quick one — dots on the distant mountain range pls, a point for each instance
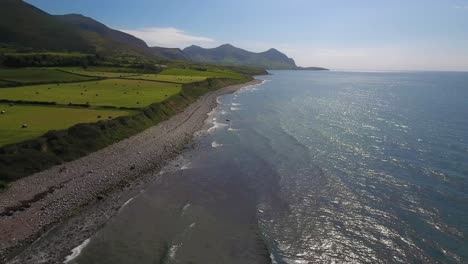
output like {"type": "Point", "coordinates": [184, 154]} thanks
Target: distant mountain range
{"type": "Point", "coordinates": [229, 55]}
{"type": "Point", "coordinates": [26, 27]}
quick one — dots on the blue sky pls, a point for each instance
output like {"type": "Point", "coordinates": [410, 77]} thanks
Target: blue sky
{"type": "Point", "coordinates": [354, 34]}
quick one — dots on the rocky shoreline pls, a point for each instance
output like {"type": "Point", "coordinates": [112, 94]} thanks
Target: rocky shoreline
{"type": "Point", "coordinates": [45, 215]}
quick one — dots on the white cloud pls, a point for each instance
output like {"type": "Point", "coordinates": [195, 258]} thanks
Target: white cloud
{"type": "Point", "coordinates": [169, 37]}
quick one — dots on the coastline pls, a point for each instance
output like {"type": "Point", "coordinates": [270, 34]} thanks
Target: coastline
{"type": "Point", "coordinates": [89, 191]}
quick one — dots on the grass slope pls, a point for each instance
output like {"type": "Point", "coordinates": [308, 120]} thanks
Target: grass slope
{"type": "Point", "coordinates": [41, 119]}
{"type": "Point", "coordinates": [110, 92]}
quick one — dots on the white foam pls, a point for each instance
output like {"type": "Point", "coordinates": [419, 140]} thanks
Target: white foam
{"type": "Point", "coordinates": [127, 202]}
{"type": "Point", "coordinates": [235, 108]}
{"type": "Point", "coordinates": [215, 126]}
{"type": "Point", "coordinates": [76, 251]}
{"type": "Point", "coordinates": [173, 250]}
{"type": "Point", "coordinates": [252, 87]}
{"type": "Point", "coordinates": [235, 104]}
{"type": "Point", "coordinates": [214, 144]}
{"type": "Point", "coordinates": [233, 129]}
{"type": "Point", "coordinates": [186, 166]}
{"type": "Point", "coordinates": [185, 208]}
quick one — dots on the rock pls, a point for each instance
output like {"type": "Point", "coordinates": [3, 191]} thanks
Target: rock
{"type": "Point", "coordinates": [227, 120]}
{"type": "Point", "coordinates": [132, 167]}
{"type": "Point", "coordinates": [24, 126]}
{"type": "Point", "coordinates": [110, 117]}
{"type": "Point", "coordinates": [98, 116]}
{"type": "Point", "coordinates": [2, 112]}
{"type": "Point", "coordinates": [100, 197]}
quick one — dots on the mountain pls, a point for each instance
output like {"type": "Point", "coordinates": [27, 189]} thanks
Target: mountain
{"type": "Point", "coordinates": [25, 26]}
{"type": "Point", "coordinates": [229, 55]}
{"type": "Point", "coordinates": [170, 53]}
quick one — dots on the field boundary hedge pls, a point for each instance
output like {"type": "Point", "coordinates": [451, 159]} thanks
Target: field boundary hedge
{"type": "Point", "coordinates": [57, 147]}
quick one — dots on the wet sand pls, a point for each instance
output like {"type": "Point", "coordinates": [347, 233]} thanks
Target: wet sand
{"type": "Point", "coordinates": [59, 208]}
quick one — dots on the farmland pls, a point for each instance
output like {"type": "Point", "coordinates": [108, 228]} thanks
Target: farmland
{"type": "Point", "coordinates": [93, 73]}
{"type": "Point", "coordinates": [208, 74]}
{"type": "Point", "coordinates": [31, 76]}
{"type": "Point", "coordinates": [77, 95]}
{"type": "Point", "coordinates": [110, 92]}
{"type": "Point", "coordinates": [168, 78]}
{"type": "Point", "coordinates": [40, 119]}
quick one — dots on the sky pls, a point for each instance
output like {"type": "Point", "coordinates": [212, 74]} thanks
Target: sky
{"type": "Point", "coordinates": [348, 34]}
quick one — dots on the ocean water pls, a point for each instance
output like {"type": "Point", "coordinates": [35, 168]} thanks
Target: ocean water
{"type": "Point", "coordinates": [311, 167]}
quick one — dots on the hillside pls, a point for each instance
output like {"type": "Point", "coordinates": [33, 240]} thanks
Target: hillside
{"type": "Point", "coordinates": [23, 25]}
{"type": "Point", "coordinates": [229, 55]}
{"type": "Point", "coordinates": [103, 38]}
{"type": "Point", "coordinates": [169, 53]}
{"type": "Point", "coordinates": [40, 31]}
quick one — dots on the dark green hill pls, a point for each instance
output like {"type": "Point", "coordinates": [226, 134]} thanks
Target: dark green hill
{"type": "Point", "coordinates": [170, 53]}
{"type": "Point", "coordinates": [229, 55]}
{"type": "Point", "coordinates": [104, 39]}
{"type": "Point", "coordinates": [23, 25]}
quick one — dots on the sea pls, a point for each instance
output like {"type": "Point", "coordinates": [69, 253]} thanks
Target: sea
{"type": "Point", "coordinates": [310, 167]}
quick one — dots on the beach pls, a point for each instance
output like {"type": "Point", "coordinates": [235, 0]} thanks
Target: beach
{"type": "Point", "coordinates": [44, 216]}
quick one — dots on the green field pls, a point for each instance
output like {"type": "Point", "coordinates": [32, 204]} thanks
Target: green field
{"type": "Point", "coordinates": [100, 73]}
{"type": "Point", "coordinates": [4, 84]}
{"type": "Point", "coordinates": [41, 119]}
{"type": "Point", "coordinates": [212, 74]}
{"type": "Point", "coordinates": [110, 92]}
{"type": "Point", "coordinates": [62, 54]}
{"type": "Point", "coordinates": [28, 76]}
{"type": "Point", "coordinates": [169, 78]}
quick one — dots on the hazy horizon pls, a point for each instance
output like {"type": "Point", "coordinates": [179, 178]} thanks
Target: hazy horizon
{"type": "Point", "coordinates": [363, 35]}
